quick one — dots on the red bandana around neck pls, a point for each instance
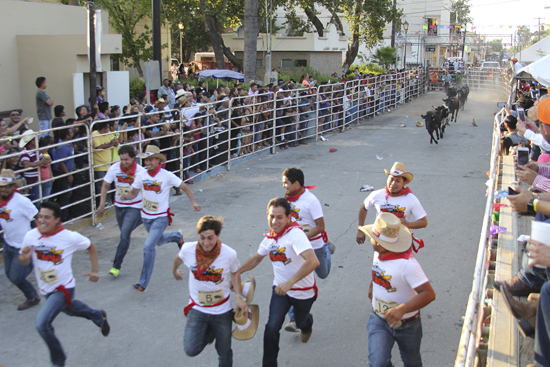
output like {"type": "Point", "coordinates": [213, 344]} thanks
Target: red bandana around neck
{"type": "Point", "coordinates": [3, 203]}
{"type": "Point", "coordinates": [395, 255]}
{"type": "Point", "coordinates": [284, 231]}
{"type": "Point", "coordinates": [132, 170]}
{"type": "Point", "coordinates": [205, 259]}
{"type": "Point", "coordinates": [154, 172]}
{"type": "Point", "coordinates": [56, 230]}
{"type": "Point", "coordinates": [296, 195]}
{"type": "Point", "coordinates": [405, 191]}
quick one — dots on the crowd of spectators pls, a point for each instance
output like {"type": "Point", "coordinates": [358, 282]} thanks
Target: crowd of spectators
{"type": "Point", "coordinates": [197, 128]}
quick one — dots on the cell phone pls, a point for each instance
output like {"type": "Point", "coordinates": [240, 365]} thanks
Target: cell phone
{"type": "Point", "coordinates": [523, 156]}
{"type": "Point", "coordinates": [511, 191]}
{"type": "Point", "coordinates": [501, 104]}
{"type": "Point", "coordinates": [521, 113]}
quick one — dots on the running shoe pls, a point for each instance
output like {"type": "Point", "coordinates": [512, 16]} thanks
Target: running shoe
{"type": "Point", "coordinates": [114, 272]}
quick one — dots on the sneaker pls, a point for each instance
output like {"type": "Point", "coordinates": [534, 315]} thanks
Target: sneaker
{"type": "Point", "coordinates": [114, 272]}
{"type": "Point", "coordinates": [28, 304]}
{"type": "Point", "coordinates": [138, 287]}
{"type": "Point", "coordinates": [291, 326]}
{"type": "Point", "coordinates": [105, 328]}
{"type": "Point", "coordinates": [182, 240]}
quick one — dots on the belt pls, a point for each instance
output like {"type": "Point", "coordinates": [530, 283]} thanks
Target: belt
{"type": "Point", "coordinates": [410, 319]}
{"type": "Point", "coordinates": [314, 287]}
{"type": "Point", "coordinates": [322, 235]}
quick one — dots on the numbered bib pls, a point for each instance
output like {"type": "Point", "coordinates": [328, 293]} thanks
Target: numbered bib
{"type": "Point", "coordinates": [381, 305]}
{"type": "Point", "coordinates": [210, 298]}
{"type": "Point", "coordinates": [306, 227]}
{"type": "Point", "coordinates": [123, 190]}
{"type": "Point", "coordinates": [48, 276]}
{"type": "Point", "coordinates": [151, 206]}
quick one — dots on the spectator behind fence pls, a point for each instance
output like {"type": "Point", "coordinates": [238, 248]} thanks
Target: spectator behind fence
{"type": "Point", "coordinates": [103, 110]}
{"type": "Point", "coordinates": [64, 153]}
{"type": "Point", "coordinates": [103, 145]}
{"type": "Point", "coordinates": [15, 118]}
{"type": "Point", "coordinates": [81, 147]}
{"type": "Point", "coordinates": [43, 105]}
{"type": "Point", "coordinates": [59, 112]}
{"type": "Point", "coordinates": [30, 159]}
{"type": "Point", "coordinates": [46, 170]}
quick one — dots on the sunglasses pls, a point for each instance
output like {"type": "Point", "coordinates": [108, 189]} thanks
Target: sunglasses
{"type": "Point", "coordinates": [15, 114]}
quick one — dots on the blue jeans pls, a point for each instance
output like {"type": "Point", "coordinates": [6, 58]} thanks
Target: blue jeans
{"type": "Point", "coordinates": [199, 329]}
{"type": "Point", "coordinates": [44, 125]}
{"type": "Point", "coordinates": [56, 303]}
{"type": "Point", "coordinates": [34, 194]}
{"type": "Point", "coordinates": [278, 308]}
{"type": "Point", "coordinates": [64, 198]}
{"type": "Point", "coordinates": [542, 331]}
{"type": "Point", "coordinates": [128, 219]}
{"type": "Point", "coordinates": [46, 190]}
{"type": "Point", "coordinates": [382, 337]}
{"type": "Point", "coordinates": [17, 273]}
{"type": "Point", "coordinates": [532, 276]}
{"type": "Point", "coordinates": [156, 237]}
{"type": "Point", "coordinates": [98, 178]}
{"type": "Point", "coordinates": [322, 271]}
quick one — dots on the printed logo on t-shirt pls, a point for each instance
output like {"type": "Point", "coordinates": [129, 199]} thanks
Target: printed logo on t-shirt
{"type": "Point", "coordinates": [295, 213]}
{"type": "Point", "coordinates": [209, 275]}
{"type": "Point", "coordinates": [399, 211]}
{"type": "Point", "coordinates": [150, 185]}
{"type": "Point", "coordinates": [47, 253]}
{"type": "Point", "coordinates": [379, 277]}
{"type": "Point", "coordinates": [5, 214]}
{"type": "Point", "coordinates": [124, 178]}
{"type": "Point", "coordinates": [278, 254]}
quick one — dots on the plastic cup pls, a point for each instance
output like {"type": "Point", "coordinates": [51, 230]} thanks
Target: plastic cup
{"type": "Point", "coordinates": [540, 231]}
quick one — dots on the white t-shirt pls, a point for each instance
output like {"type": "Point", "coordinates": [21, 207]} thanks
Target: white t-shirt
{"type": "Point", "coordinates": [123, 184]}
{"type": "Point", "coordinates": [305, 211]}
{"type": "Point", "coordinates": [15, 219]}
{"type": "Point", "coordinates": [286, 259]}
{"type": "Point", "coordinates": [395, 281]}
{"type": "Point", "coordinates": [52, 257]}
{"type": "Point", "coordinates": [402, 206]}
{"type": "Point", "coordinates": [215, 279]}
{"type": "Point", "coordinates": [155, 192]}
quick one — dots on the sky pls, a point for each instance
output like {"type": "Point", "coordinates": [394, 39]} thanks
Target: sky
{"type": "Point", "coordinates": [490, 15]}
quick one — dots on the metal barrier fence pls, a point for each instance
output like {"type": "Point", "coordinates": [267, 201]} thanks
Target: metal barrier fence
{"type": "Point", "coordinates": [471, 330]}
{"type": "Point", "coordinates": [495, 79]}
{"type": "Point", "coordinates": [201, 138]}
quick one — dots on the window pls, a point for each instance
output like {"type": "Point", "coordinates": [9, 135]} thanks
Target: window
{"type": "Point", "coordinates": [258, 63]}
{"type": "Point", "coordinates": [432, 26]}
{"type": "Point", "coordinates": [287, 63]}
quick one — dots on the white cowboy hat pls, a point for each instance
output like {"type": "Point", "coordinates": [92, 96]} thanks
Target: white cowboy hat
{"type": "Point", "coordinates": [389, 233]}
{"type": "Point", "coordinates": [398, 170]}
{"type": "Point", "coordinates": [26, 137]}
{"type": "Point", "coordinates": [7, 177]}
{"type": "Point", "coordinates": [248, 287]}
{"type": "Point", "coordinates": [153, 151]}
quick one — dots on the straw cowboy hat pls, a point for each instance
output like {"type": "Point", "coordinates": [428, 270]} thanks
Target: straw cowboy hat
{"type": "Point", "coordinates": [26, 137]}
{"type": "Point", "coordinates": [7, 177]}
{"type": "Point", "coordinates": [389, 233]}
{"type": "Point", "coordinates": [246, 324]}
{"type": "Point", "coordinates": [419, 123]}
{"type": "Point", "coordinates": [153, 151]}
{"type": "Point", "coordinates": [183, 97]}
{"type": "Point", "coordinates": [398, 170]}
{"type": "Point", "coordinates": [248, 287]}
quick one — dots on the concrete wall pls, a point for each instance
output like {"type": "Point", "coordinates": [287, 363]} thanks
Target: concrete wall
{"type": "Point", "coordinates": [45, 39]}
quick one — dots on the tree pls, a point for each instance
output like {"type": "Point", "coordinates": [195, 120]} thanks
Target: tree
{"type": "Point", "coordinates": [460, 12]}
{"type": "Point", "coordinates": [124, 17]}
{"type": "Point", "coordinates": [251, 13]}
{"type": "Point", "coordinates": [496, 45]}
{"type": "Point", "coordinates": [367, 20]}
{"type": "Point", "coordinates": [523, 37]}
{"type": "Point", "coordinates": [385, 57]}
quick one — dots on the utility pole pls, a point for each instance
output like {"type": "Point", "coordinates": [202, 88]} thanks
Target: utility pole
{"type": "Point", "coordinates": [157, 55]}
{"type": "Point", "coordinates": [538, 38]}
{"type": "Point", "coordinates": [393, 27]}
{"type": "Point", "coordinates": [93, 67]}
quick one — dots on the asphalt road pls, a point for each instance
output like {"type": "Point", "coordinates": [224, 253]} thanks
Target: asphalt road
{"type": "Point", "coordinates": [147, 328]}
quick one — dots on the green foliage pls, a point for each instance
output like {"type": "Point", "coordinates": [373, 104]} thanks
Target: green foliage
{"type": "Point", "coordinates": [369, 68]}
{"type": "Point", "coordinates": [385, 57]}
{"type": "Point", "coordinates": [496, 45]}
{"type": "Point", "coordinates": [298, 72]}
{"type": "Point", "coordinates": [295, 25]}
{"type": "Point", "coordinates": [137, 85]}
{"type": "Point", "coordinates": [460, 12]}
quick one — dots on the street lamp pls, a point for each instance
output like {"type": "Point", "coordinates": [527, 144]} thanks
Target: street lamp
{"type": "Point", "coordinates": [180, 26]}
{"type": "Point", "coordinates": [406, 29]}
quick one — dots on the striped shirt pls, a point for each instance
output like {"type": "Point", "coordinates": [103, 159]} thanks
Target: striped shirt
{"type": "Point", "coordinates": [32, 175]}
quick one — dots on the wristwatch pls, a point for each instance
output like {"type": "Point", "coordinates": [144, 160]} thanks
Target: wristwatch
{"type": "Point", "coordinates": [532, 206]}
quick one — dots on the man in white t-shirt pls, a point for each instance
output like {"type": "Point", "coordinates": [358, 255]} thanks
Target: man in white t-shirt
{"type": "Point", "coordinates": [306, 209]}
{"type": "Point", "coordinates": [154, 184]}
{"type": "Point", "coordinates": [128, 213]}
{"type": "Point", "coordinates": [16, 214]}
{"type": "Point", "coordinates": [398, 290]}
{"type": "Point", "coordinates": [50, 247]}
{"type": "Point", "coordinates": [293, 261]}
{"type": "Point", "coordinates": [395, 198]}
{"type": "Point", "coordinates": [212, 268]}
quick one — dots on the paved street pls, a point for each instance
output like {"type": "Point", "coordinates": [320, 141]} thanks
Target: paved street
{"type": "Point", "coordinates": [147, 328]}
